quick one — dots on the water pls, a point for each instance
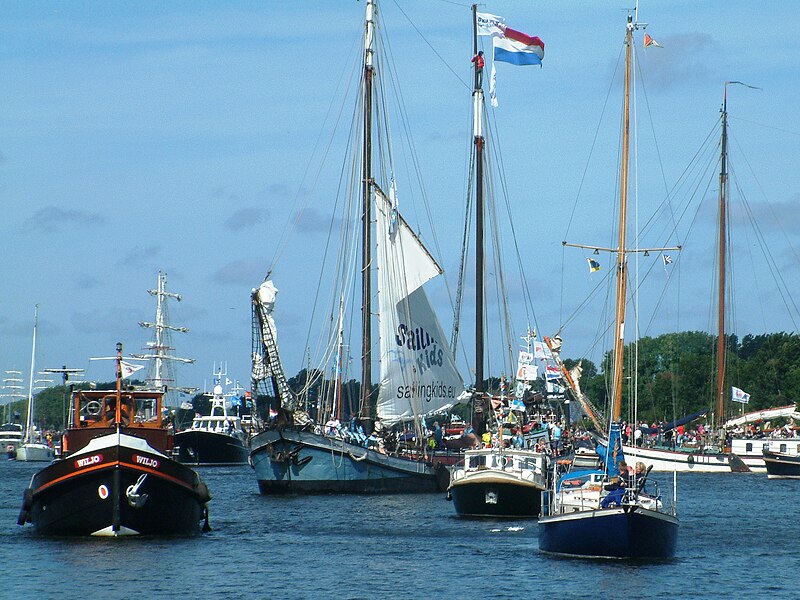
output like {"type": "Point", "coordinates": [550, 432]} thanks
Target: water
{"type": "Point", "coordinates": [738, 536]}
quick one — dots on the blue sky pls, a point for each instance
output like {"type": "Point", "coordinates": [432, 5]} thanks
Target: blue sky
{"type": "Point", "coordinates": [137, 137]}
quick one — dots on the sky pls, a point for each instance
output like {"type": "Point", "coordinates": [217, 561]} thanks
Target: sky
{"type": "Point", "coordinates": [178, 136]}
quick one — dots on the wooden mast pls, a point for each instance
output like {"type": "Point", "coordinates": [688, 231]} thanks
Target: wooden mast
{"type": "Point", "coordinates": [477, 127]}
{"type": "Point", "coordinates": [723, 183]}
{"type": "Point", "coordinates": [367, 412]}
{"type": "Point", "coordinates": [619, 341]}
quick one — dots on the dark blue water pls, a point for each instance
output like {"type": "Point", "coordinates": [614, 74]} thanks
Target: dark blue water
{"type": "Point", "coordinates": [739, 536]}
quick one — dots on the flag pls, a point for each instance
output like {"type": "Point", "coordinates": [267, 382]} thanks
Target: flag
{"type": "Point", "coordinates": [518, 48]}
{"type": "Point", "coordinates": [228, 381]}
{"type": "Point", "coordinates": [593, 265]}
{"type": "Point", "coordinates": [493, 87]}
{"type": "Point", "coordinates": [517, 405]}
{"type": "Point", "coordinates": [738, 395]}
{"type": "Point", "coordinates": [525, 358]}
{"type": "Point", "coordinates": [527, 372]}
{"type": "Point", "coordinates": [128, 369]}
{"type": "Point", "coordinates": [490, 24]}
{"type": "Point", "coordinates": [648, 41]}
{"type": "Point", "coordinates": [542, 351]}
{"type": "Point", "coordinates": [552, 373]}
{"type": "Point", "coordinates": [667, 259]}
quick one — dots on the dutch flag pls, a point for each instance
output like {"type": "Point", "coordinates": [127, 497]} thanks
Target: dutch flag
{"type": "Point", "coordinates": [518, 48]}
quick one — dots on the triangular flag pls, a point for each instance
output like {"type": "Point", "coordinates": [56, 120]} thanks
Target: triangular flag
{"type": "Point", "coordinates": [648, 41]}
{"type": "Point", "coordinates": [128, 369]}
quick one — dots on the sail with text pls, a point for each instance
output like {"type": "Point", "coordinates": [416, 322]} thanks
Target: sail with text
{"type": "Point", "coordinates": [418, 374]}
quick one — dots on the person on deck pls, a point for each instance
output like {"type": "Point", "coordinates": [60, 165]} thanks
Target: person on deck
{"type": "Point", "coordinates": [616, 494]}
{"type": "Point", "coordinates": [640, 476]}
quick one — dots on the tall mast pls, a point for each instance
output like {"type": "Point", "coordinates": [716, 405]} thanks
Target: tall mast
{"type": "Point", "coordinates": [477, 130]}
{"type": "Point", "coordinates": [29, 425]}
{"type": "Point", "coordinates": [367, 412]}
{"type": "Point", "coordinates": [723, 184]}
{"type": "Point", "coordinates": [162, 373]}
{"type": "Point", "coordinates": [619, 341]}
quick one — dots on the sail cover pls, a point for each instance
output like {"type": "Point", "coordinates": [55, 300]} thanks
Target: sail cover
{"type": "Point", "coordinates": [267, 362]}
{"type": "Point", "coordinates": [418, 371]}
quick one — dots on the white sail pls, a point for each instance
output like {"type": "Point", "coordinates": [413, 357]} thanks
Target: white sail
{"type": "Point", "coordinates": [418, 371]}
{"type": "Point", "coordinates": [760, 415]}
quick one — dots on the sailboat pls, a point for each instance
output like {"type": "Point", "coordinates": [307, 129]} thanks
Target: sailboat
{"type": "Point", "coordinates": [33, 449]}
{"type": "Point", "coordinates": [495, 481]}
{"type": "Point", "coordinates": [418, 376]}
{"type": "Point", "coordinates": [576, 519]}
{"type": "Point", "coordinates": [728, 453]}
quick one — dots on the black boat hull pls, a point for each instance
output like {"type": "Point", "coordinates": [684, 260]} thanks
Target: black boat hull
{"type": "Point", "coordinates": [782, 466]}
{"type": "Point", "coordinates": [496, 499]}
{"type": "Point", "coordinates": [96, 493]}
{"type": "Point", "coordinates": [209, 448]}
{"type": "Point", "coordinates": [626, 532]}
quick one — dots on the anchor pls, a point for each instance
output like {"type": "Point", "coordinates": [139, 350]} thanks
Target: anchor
{"type": "Point", "coordinates": [136, 500]}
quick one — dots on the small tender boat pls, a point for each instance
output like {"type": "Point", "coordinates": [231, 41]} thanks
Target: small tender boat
{"type": "Point", "coordinates": [116, 477]}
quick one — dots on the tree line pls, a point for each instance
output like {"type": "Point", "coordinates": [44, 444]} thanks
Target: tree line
{"type": "Point", "coordinates": [675, 375]}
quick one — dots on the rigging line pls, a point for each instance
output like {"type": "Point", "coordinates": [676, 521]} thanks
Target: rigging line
{"type": "Point", "coordinates": [775, 217]}
{"type": "Point", "coordinates": [530, 312]}
{"type": "Point", "coordinates": [414, 155]}
{"type": "Point", "coordinates": [500, 289]}
{"type": "Point", "coordinates": [463, 260]}
{"type": "Point", "coordinates": [789, 131]}
{"type": "Point", "coordinates": [684, 178]}
{"type": "Point", "coordinates": [783, 288]}
{"type": "Point", "coordinates": [655, 139]}
{"type": "Point", "coordinates": [583, 179]}
{"type": "Point", "coordinates": [424, 39]}
{"type": "Point", "coordinates": [289, 230]}
{"type": "Point", "coordinates": [343, 246]}
{"type": "Point", "coordinates": [592, 147]}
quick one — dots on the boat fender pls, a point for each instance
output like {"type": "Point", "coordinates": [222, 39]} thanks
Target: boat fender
{"type": "Point", "coordinates": [201, 489]}
{"type": "Point", "coordinates": [443, 478]}
{"type": "Point", "coordinates": [690, 459]}
{"type": "Point", "coordinates": [27, 503]}
{"type": "Point", "coordinates": [206, 526]}
{"type": "Point", "coordinates": [358, 458]}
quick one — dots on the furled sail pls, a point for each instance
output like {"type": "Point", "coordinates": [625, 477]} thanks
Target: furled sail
{"type": "Point", "coordinates": [267, 363]}
{"type": "Point", "coordinates": [789, 412]}
{"type": "Point", "coordinates": [418, 371]}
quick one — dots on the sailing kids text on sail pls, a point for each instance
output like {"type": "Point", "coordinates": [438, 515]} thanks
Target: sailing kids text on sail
{"type": "Point", "coordinates": [426, 353]}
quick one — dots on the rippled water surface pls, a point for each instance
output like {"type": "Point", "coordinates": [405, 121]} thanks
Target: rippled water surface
{"type": "Point", "coordinates": [738, 538]}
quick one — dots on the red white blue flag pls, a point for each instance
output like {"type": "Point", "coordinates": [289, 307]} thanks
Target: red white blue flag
{"type": "Point", "coordinates": [518, 48]}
